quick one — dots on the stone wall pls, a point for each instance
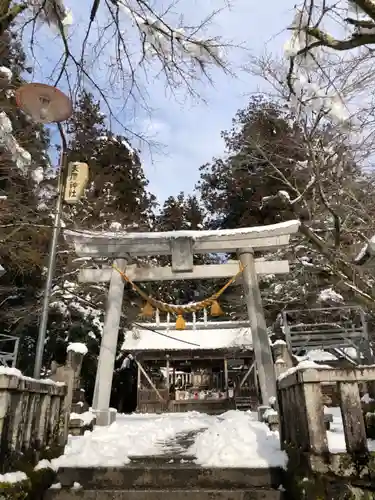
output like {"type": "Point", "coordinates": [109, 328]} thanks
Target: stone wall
{"type": "Point", "coordinates": [32, 418]}
{"type": "Point", "coordinates": [76, 420]}
{"type": "Point", "coordinates": [315, 472]}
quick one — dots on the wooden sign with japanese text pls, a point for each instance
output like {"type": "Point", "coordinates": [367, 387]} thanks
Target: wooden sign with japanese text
{"type": "Point", "coordinates": [76, 181]}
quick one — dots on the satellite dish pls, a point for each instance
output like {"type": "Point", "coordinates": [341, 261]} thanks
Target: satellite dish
{"type": "Point", "coordinates": [44, 103]}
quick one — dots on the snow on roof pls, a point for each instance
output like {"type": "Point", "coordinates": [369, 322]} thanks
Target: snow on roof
{"type": "Point", "coordinates": [147, 340]}
{"type": "Point", "coordinates": [317, 355]}
{"type": "Point", "coordinates": [260, 231]}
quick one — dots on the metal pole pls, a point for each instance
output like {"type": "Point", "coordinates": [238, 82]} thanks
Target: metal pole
{"type": "Point", "coordinates": [52, 257]}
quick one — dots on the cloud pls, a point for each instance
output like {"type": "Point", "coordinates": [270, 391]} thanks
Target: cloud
{"type": "Point", "coordinates": [192, 130]}
{"type": "Point", "coordinates": [187, 130]}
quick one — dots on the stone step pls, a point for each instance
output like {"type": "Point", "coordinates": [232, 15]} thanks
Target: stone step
{"type": "Point", "coordinates": [162, 459]}
{"type": "Point", "coordinates": [169, 476]}
{"type": "Point", "coordinates": [253, 494]}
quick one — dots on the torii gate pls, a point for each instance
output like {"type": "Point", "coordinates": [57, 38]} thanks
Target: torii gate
{"type": "Point", "coordinates": [123, 247]}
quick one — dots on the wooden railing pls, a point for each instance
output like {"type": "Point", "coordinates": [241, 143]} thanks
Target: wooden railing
{"type": "Point", "coordinates": [31, 419]}
{"type": "Point", "coordinates": [301, 408]}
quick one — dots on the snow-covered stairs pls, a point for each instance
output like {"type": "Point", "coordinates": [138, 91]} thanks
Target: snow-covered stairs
{"type": "Point", "coordinates": [163, 479]}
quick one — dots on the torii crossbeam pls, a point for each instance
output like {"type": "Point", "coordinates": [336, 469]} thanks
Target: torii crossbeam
{"type": "Point", "coordinates": [123, 247]}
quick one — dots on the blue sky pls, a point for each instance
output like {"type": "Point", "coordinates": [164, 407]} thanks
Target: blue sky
{"type": "Point", "coordinates": [188, 130]}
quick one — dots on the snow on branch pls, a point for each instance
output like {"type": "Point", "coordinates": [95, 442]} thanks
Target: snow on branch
{"type": "Point", "coordinates": [162, 41]}
{"type": "Point", "coordinates": [21, 157]}
{"type": "Point", "coordinates": [127, 38]}
{"type": "Point", "coordinates": [52, 12]}
{"type": "Point", "coordinates": [311, 79]}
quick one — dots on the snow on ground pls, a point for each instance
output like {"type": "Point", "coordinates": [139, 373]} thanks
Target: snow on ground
{"type": "Point", "coordinates": [134, 435]}
{"type": "Point", "coordinates": [237, 439]}
{"type": "Point", "coordinates": [233, 439]}
{"type": "Point", "coordinates": [335, 436]}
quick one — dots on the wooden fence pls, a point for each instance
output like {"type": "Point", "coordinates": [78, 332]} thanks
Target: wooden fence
{"type": "Point", "coordinates": [148, 401]}
{"type": "Point", "coordinates": [301, 408]}
{"type": "Point", "coordinates": [32, 418]}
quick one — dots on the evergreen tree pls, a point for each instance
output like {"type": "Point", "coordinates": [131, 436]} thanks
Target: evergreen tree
{"type": "Point", "coordinates": [184, 213]}
{"type": "Point", "coordinates": [24, 226]}
{"type": "Point", "coordinates": [181, 212]}
{"type": "Point", "coordinates": [115, 199]}
{"type": "Point", "coordinates": [116, 196]}
{"type": "Point", "coordinates": [270, 160]}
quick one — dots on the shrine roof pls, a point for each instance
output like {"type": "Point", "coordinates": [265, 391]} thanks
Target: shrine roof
{"type": "Point", "coordinates": [208, 338]}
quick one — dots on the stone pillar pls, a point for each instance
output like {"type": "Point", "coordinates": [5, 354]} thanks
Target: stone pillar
{"type": "Point", "coordinates": [281, 356]}
{"type": "Point", "coordinates": [261, 345]}
{"type": "Point", "coordinates": [106, 363]}
{"type": "Point", "coordinates": [70, 375]}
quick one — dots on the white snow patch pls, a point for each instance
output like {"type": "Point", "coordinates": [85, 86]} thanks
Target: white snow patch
{"type": "Point", "coordinates": [38, 175]}
{"type": "Point", "coordinates": [143, 340]}
{"type": "Point", "coordinates": [44, 464]}
{"type": "Point", "coordinates": [317, 355]}
{"type": "Point", "coordinates": [367, 399]}
{"type": "Point", "coordinates": [14, 372]}
{"type": "Point", "coordinates": [116, 226]}
{"type": "Point", "coordinates": [6, 74]}
{"type": "Point", "coordinates": [351, 352]}
{"type": "Point", "coordinates": [329, 295]}
{"type": "Point", "coordinates": [87, 417]}
{"type": "Point", "coordinates": [336, 437]}
{"type": "Point", "coordinates": [238, 439]}
{"type": "Point", "coordinates": [6, 370]}
{"type": "Point", "coordinates": [279, 342]}
{"type": "Point", "coordinates": [284, 195]}
{"type": "Point", "coordinates": [303, 365]}
{"type": "Point", "coordinates": [261, 231]}
{"type": "Point", "coordinates": [56, 486]}
{"type": "Point", "coordinates": [269, 412]}
{"type": "Point", "coordinates": [77, 347]}
{"type": "Point", "coordinates": [230, 440]}
{"type": "Point", "coordinates": [13, 477]}
{"type": "Point", "coordinates": [136, 435]}
{"type": "Point", "coordinates": [234, 439]}
{"type": "Point", "coordinates": [21, 157]}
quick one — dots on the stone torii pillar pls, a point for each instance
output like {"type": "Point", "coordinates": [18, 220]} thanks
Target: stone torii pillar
{"type": "Point", "coordinates": [107, 355]}
{"type": "Point", "coordinates": [182, 246]}
{"type": "Point", "coordinates": [261, 344]}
